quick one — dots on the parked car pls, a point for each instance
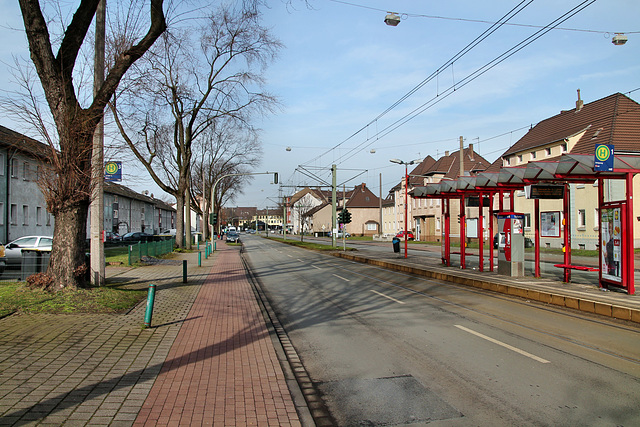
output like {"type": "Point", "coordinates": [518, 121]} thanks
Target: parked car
{"type": "Point", "coordinates": [339, 234]}
{"type": "Point", "coordinates": [3, 259]}
{"type": "Point", "coordinates": [13, 250]}
{"type": "Point", "coordinates": [409, 234]}
{"type": "Point", "coordinates": [233, 237]}
{"type": "Point", "coordinates": [137, 237]}
{"type": "Point", "coordinates": [110, 236]}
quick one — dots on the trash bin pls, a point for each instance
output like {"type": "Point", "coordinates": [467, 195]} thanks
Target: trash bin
{"type": "Point", "coordinates": [396, 244]}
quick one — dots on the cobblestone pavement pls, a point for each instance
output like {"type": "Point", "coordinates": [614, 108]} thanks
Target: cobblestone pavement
{"type": "Point", "coordinates": [77, 370]}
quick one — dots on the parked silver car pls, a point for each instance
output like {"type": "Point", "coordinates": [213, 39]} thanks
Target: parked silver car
{"type": "Point", "coordinates": [13, 250]}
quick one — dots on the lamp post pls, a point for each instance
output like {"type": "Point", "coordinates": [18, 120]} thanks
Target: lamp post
{"type": "Point", "coordinates": [406, 201]}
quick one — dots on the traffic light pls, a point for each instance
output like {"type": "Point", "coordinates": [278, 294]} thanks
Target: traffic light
{"type": "Point", "coordinates": [346, 217]}
{"type": "Point", "coordinates": [275, 177]}
{"type": "Point", "coordinates": [341, 217]}
{"type": "Point", "coordinates": [213, 219]}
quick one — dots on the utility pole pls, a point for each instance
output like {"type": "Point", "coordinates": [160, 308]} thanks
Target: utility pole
{"type": "Point", "coordinates": [333, 206]}
{"type": "Point", "coordinates": [97, 158]}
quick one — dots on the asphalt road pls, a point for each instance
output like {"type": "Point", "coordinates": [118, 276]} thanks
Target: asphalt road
{"type": "Point", "coordinates": [385, 348]}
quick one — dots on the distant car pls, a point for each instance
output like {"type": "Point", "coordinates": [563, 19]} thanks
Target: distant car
{"type": "Point", "coordinates": [110, 236]}
{"type": "Point", "coordinates": [409, 234]}
{"type": "Point", "coordinates": [339, 234]}
{"type": "Point", "coordinates": [13, 250]}
{"type": "Point", "coordinates": [251, 231]}
{"type": "Point", "coordinates": [137, 237]}
{"type": "Point", "coordinates": [233, 237]}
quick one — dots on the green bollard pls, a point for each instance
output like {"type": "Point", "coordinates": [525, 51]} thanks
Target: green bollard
{"type": "Point", "coordinates": [199, 259]}
{"type": "Point", "coordinates": [184, 271]}
{"type": "Point", "coordinates": [151, 295]}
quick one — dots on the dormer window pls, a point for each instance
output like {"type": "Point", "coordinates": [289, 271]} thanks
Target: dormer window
{"type": "Point", "coordinates": [519, 158]}
{"type": "Point", "coordinates": [564, 147]}
{"type": "Point", "coordinates": [547, 151]}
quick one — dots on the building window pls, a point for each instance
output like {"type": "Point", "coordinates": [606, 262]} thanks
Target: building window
{"type": "Point", "coordinates": [38, 215]}
{"type": "Point", "coordinates": [596, 219]}
{"type": "Point", "coordinates": [372, 226]}
{"type": "Point", "coordinates": [527, 220]}
{"type": "Point", "coordinates": [564, 147]}
{"type": "Point", "coordinates": [1, 213]}
{"type": "Point", "coordinates": [533, 155]}
{"type": "Point", "coordinates": [582, 219]}
{"type": "Point", "coordinates": [508, 160]}
{"type": "Point", "coordinates": [48, 216]}
{"type": "Point", "coordinates": [14, 168]}
{"type": "Point", "coordinates": [2, 164]}
{"type": "Point", "coordinates": [13, 214]}
{"type": "Point", "coordinates": [25, 215]}
{"type": "Point", "coordinates": [519, 158]}
{"type": "Point", "coordinates": [25, 171]}
{"type": "Point", "coordinates": [437, 223]}
{"type": "Point", "coordinates": [548, 151]}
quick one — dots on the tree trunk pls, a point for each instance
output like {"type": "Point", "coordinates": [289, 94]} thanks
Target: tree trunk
{"type": "Point", "coordinates": [180, 220]}
{"type": "Point", "coordinates": [67, 264]}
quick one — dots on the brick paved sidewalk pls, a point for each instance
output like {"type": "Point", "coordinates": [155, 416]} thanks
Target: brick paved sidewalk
{"type": "Point", "coordinates": [222, 368]}
{"type": "Point", "coordinates": [97, 370]}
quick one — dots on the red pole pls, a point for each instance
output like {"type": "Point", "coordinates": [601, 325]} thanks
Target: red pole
{"type": "Point", "coordinates": [491, 196]}
{"type": "Point", "coordinates": [447, 233]}
{"type": "Point", "coordinates": [406, 208]}
{"type": "Point", "coordinates": [536, 204]}
{"type": "Point", "coordinates": [463, 233]}
{"type": "Point", "coordinates": [481, 235]}
{"type": "Point", "coordinates": [567, 233]}
{"type": "Point", "coordinates": [600, 245]}
{"type": "Point", "coordinates": [629, 237]}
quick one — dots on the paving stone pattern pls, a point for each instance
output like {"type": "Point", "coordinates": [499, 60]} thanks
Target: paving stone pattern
{"type": "Point", "coordinates": [77, 370]}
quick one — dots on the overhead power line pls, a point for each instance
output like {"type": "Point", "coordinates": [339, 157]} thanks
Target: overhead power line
{"type": "Point", "coordinates": [483, 36]}
{"type": "Point", "coordinates": [463, 82]}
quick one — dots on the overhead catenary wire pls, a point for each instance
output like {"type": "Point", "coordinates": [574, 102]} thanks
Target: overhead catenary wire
{"type": "Point", "coordinates": [479, 39]}
{"type": "Point", "coordinates": [468, 79]}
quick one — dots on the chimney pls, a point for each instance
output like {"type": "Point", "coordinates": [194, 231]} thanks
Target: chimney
{"type": "Point", "coordinates": [579, 102]}
{"type": "Point", "coordinates": [471, 152]}
{"type": "Point", "coordinates": [446, 154]}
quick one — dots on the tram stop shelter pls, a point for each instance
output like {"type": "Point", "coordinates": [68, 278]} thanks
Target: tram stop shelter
{"type": "Point", "coordinates": [546, 180]}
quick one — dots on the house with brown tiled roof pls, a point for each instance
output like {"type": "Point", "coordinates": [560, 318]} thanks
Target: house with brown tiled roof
{"type": "Point", "coordinates": [364, 207]}
{"type": "Point", "coordinates": [424, 214]}
{"type": "Point", "coordinates": [613, 120]}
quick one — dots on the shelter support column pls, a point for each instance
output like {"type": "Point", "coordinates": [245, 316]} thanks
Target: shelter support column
{"type": "Point", "coordinates": [566, 221]}
{"type": "Point", "coordinates": [481, 234]}
{"type": "Point", "coordinates": [446, 206]}
{"type": "Point", "coordinates": [512, 200]}
{"type": "Point", "coordinates": [536, 261]}
{"type": "Point", "coordinates": [490, 220]}
{"type": "Point", "coordinates": [463, 234]}
{"type": "Point", "coordinates": [629, 234]}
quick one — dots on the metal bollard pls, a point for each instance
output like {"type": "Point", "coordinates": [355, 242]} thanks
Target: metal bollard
{"type": "Point", "coordinates": [199, 259]}
{"type": "Point", "coordinates": [151, 296]}
{"type": "Point", "coordinates": [184, 271]}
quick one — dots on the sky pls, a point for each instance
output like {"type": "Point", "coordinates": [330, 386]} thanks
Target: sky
{"type": "Point", "coordinates": [342, 68]}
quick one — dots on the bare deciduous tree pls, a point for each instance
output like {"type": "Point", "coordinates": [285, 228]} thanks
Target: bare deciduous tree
{"type": "Point", "coordinates": [68, 193]}
{"type": "Point", "coordinates": [179, 92]}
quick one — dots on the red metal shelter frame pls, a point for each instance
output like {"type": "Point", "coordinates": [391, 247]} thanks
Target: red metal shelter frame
{"type": "Point", "coordinates": [568, 169]}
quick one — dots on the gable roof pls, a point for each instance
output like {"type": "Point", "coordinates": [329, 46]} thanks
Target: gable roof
{"type": "Point", "coordinates": [613, 120]}
{"type": "Point", "coordinates": [362, 197]}
{"type": "Point", "coordinates": [24, 144]}
{"type": "Point", "coordinates": [449, 166]}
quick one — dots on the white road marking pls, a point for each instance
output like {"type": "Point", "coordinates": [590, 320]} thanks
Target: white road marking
{"type": "Point", "coordinates": [517, 350]}
{"type": "Point", "coordinates": [340, 277]}
{"type": "Point", "coordinates": [299, 260]}
{"type": "Point", "coordinates": [387, 296]}
{"type": "Point", "coordinates": [315, 266]}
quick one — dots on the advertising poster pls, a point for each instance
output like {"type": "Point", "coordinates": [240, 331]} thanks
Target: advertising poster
{"type": "Point", "coordinates": [550, 224]}
{"type": "Point", "coordinates": [611, 244]}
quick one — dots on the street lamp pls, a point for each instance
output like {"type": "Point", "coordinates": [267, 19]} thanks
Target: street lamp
{"type": "Point", "coordinates": [406, 201]}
